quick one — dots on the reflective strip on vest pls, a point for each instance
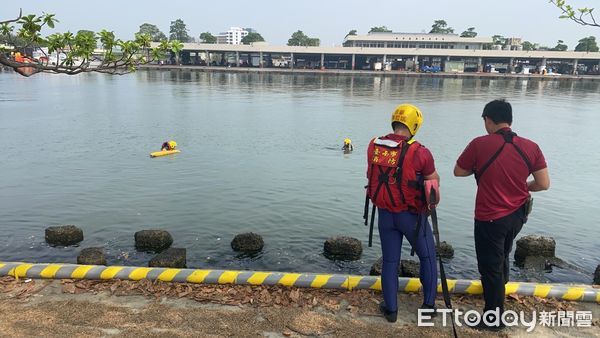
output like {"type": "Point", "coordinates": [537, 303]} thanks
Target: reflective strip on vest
{"type": "Point", "coordinates": [387, 143]}
{"type": "Point", "coordinates": [390, 143]}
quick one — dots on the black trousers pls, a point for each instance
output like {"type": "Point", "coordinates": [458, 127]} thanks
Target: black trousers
{"type": "Point", "coordinates": [493, 244]}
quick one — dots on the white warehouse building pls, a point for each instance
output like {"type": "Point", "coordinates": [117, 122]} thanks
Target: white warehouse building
{"type": "Point", "coordinates": [415, 40]}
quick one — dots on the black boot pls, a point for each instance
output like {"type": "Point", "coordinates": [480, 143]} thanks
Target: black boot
{"type": "Point", "coordinates": [494, 328]}
{"type": "Point", "coordinates": [391, 316]}
{"type": "Point", "coordinates": [429, 307]}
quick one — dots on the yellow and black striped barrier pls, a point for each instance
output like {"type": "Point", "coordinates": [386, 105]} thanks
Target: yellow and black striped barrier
{"type": "Point", "coordinates": [307, 280]}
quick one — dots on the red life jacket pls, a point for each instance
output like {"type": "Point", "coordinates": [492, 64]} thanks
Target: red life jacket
{"type": "Point", "coordinates": [393, 181]}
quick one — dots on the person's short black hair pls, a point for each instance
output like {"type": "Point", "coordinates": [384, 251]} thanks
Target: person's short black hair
{"type": "Point", "coordinates": [396, 125]}
{"type": "Point", "coordinates": [499, 111]}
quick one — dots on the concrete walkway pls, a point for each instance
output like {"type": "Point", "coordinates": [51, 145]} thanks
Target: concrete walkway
{"type": "Point", "coordinates": [146, 309]}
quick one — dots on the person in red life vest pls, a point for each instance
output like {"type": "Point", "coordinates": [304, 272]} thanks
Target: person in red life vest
{"type": "Point", "coordinates": [501, 163]}
{"type": "Point", "coordinates": [398, 166]}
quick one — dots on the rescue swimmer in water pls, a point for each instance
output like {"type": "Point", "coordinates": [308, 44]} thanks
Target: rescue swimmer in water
{"type": "Point", "coordinates": [169, 145]}
{"type": "Point", "coordinates": [167, 148]}
{"type": "Point", "coordinates": [347, 147]}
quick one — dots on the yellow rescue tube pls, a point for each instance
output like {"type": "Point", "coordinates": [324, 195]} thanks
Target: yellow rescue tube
{"type": "Point", "coordinates": [164, 153]}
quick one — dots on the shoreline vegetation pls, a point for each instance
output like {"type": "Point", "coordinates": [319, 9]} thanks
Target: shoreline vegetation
{"type": "Point", "coordinates": [482, 75]}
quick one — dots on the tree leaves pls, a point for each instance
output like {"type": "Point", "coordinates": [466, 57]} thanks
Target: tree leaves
{"type": "Point", "coordinates": [300, 39]}
{"type": "Point", "coordinates": [587, 44]}
{"type": "Point", "coordinates": [583, 16]}
{"type": "Point", "coordinates": [155, 34]}
{"type": "Point", "coordinates": [441, 27]}
{"type": "Point", "coordinates": [252, 37]}
{"type": "Point", "coordinates": [469, 33]}
{"type": "Point", "coordinates": [49, 19]}
{"type": "Point", "coordinates": [69, 53]}
{"type": "Point", "coordinates": [207, 37]}
{"type": "Point", "coordinates": [179, 31]}
{"type": "Point", "coordinates": [379, 29]}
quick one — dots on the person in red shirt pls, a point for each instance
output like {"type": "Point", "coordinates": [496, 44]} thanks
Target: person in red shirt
{"type": "Point", "coordinates": [397, 168]}
{"type": "Point", "coordinates": [501, 162]}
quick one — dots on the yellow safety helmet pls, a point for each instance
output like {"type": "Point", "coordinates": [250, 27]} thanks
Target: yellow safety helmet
{"type": "Point", "coordinates": [347, 141]}
{"type": "Point", "coordinates": [408, 115]}
{"type": "Point", "coordinates": [172, 144]}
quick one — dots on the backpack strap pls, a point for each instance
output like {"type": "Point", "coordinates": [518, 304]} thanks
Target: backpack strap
{"type": "Point", "coordinates": [508, 138]}
{"type": "Point", "coordinates": [480, 172]}
{"type": "Point", "coordinates": [400, 168]}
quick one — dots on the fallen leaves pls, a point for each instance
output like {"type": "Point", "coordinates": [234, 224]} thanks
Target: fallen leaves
{"type": "Point", "coordinates": [235, 295]}
{"type": "Point", "coordinates": [364, 302]}
{"type": "Point", "coordinates": [25, 291]}
{"type": "Point", "coordinates": [295, 295]}
{"type": "Point", "coordinates": [21, 288]}
{"type": "Point", "coordinates": [69, 288]}
{"type": "Point", "coordinates": [515, 297]}
{"type": "Point", "coordinates": [523, 303]}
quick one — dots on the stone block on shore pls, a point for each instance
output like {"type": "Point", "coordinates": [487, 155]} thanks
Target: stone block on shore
{"type": "Point", "coordinates": [247, 242]}
{"type": "Point", "coordinates": [343, 248]}
{"type": "Point", "coordinates": [377, 266]}
{"type": "Point", "coordinates": [446, 250]}
{"type": "Point", "coordinates": [153, 240]}
{"type": "Point", "coordinates": [63, 235]}
{"type": "Point", "coordinates": [170, 258]}
{"type": "Point", "coordinates": [91, 256]}
{"type": "Point", "coordinates": [534, 245]}
{"type": "Point", "coordinates": [409, 268]}
{"type": "Point", "coordinates": [406, 268]}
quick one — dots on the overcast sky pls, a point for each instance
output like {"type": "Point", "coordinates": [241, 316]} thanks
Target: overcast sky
{"type": "Point", "coordinates": [533, 20]}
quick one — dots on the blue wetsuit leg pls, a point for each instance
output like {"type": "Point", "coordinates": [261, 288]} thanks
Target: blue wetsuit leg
{"type": "Point", "coordinates": [425, 249]}
{"type": "Point", "coordinates": [391, 246]}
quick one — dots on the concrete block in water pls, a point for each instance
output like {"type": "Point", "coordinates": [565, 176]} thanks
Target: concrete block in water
{"type": "Point", "coordinates": [153, 240]}
{"type": "Point", "coordinates": [343, 248]}
{"type": "Point", "coordinates": [377, 266]}
{"type": "Point", "coordinates": [91, 256]}
{"type": "Point", "coordinates": [170, 258]}
{"type": "Point", "coordinates": [248, 242]}
{"type": "Point", "coordinates": [63, 235]}
{"type": "Point", "coordinates": [533, 245]}
{"type": "Point", "coordinates": [406, 268]}
{"type": "Point", "coordinates": [446, 250]}
{"type": "Point", "coordinates": [409, 268]}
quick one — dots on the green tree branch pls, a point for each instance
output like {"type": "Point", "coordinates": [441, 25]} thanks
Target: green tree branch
{"type": "Point", "coordinates": [71, 54]}
{"type": "Point", "coordinates": [583, 16]}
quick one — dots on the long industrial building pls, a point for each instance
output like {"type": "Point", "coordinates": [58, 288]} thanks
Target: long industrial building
{"type": "Point", "coordinates": [397, 52]}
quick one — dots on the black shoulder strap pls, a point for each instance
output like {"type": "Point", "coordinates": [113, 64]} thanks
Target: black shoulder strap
{"type": "Point", "coordinates": [405, 145]}
{"type": "Point", "coordinates": [480, 172]}
{"type": "Point", "coordinates": [508, 138]}
{"type": "Point", "coordinates": [403, 150]}
{"type": "Point", "coordinates": [524, 157]}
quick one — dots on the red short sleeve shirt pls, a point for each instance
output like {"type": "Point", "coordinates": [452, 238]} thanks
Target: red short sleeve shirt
{"type": "Point", "coordinates": [503, 187]}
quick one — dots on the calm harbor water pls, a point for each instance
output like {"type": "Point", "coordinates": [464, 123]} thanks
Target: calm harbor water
{"type": "Point", "coordinates": [260, 152]}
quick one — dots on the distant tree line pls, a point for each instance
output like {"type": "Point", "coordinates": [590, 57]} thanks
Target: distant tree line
{"type": "Point", "coordinates": [178, 31]}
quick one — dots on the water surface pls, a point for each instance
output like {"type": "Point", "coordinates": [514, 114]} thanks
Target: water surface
{"type": "Point", "coordinates": [261, 153]}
